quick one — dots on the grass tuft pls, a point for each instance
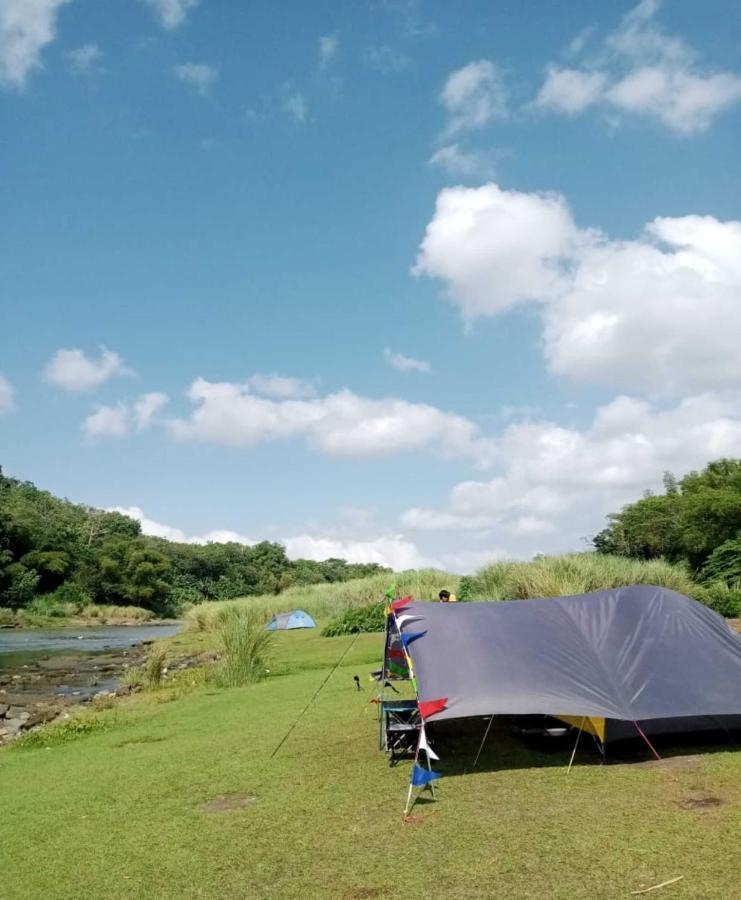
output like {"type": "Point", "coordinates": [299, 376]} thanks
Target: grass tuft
{"type": "Point", "coordinates": [246, 645]}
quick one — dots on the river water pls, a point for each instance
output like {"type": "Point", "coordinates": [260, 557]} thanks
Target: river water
{"type": "Point", "coordinates": [32, 641]}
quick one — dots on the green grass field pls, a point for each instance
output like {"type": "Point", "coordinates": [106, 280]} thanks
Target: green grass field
{"type": "Point", "coordinates": [117, 812]}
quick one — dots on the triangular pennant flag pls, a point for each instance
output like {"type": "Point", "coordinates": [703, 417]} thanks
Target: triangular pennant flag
{"type": "Point", "coordinates": [414, 683]}
{"type": "Point", "coordinates": [406, 617]}
{"type": "Point", "coordinates": [407, 639]}
{"type": "Point", "coordinates": [429, 707]}
{"type": "Point", "coordinates": [398, 604]}
{"type": "Point", "coordinates": [396, 654]}
{"type": "Point", "coordinates": [397, 669]}
{"type": "Point", "coordinates": [423, 745]}
{"type": "Point", "coordinates": [421, 777]}
{"type": "Point", "coordinates": [390, 592]}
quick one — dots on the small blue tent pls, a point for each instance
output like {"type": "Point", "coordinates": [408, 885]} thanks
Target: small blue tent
{"type": "Point", "coordinates": [296, 619]}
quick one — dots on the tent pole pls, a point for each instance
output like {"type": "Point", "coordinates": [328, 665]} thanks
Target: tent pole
{"type": "Point", "coordinates": [576, 744]}
{"type": "Point", "coordinates": [483, 741]}
{"type": "Point", "coordinates": [650, 745]}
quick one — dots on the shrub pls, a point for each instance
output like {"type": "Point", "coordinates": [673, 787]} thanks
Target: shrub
{"type": "Point", "coordinates": [577, 573]}
{"type": "Point", "coordinates": [724, 599]}
{"type": "Point", "coordinates": [246, 645]}
{"type": "Point", "coordinates": [153, 669]}
{"type": "Point", "coordinates": [724, 564]}
{"type": "Point", "coordinates": [356, 620]}
{"type": "Point", "coordinates": [48, 606]}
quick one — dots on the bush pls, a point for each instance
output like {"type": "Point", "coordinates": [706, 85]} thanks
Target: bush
{"type": "Point", "coordinates": [724, 564]}
{"type": "Point", "coordinates": [724, 599]}
{"type": "Point", "coordinates": [48, 606]}
{"type": "Point", "coordinates": [356, 620]}
{"type": "Point", "coordinates": [246, 645]}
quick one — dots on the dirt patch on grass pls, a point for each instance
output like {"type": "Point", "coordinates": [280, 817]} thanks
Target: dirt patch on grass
{"type": "Point", "coordinates": [226, 802]}
{"type": "Point", "coordinates": [692, 763]}
{"type": "Point", "coordinates": [365, 893]}
{"type": "Point", "coordinates": [146, 739]}
{"type": "Point", "coordinates": [700, 800]}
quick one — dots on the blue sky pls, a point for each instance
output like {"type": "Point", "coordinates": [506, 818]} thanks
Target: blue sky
{"type": "Point", "coordinates": [392, 280]}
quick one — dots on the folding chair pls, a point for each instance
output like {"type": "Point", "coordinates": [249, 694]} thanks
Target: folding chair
{"type": "Point", "coordinates": [400, 724]}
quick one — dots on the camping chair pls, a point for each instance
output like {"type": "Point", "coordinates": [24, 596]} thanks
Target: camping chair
{"type": "Point", "coordinates": [400, 724]}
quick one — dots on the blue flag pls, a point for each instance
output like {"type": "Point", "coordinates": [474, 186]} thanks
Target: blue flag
{"type": "Point", "coordinates": [407, 639]}
{"type": "Point", "coordinates": [421, 777]}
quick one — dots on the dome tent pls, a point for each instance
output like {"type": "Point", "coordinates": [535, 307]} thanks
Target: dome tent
{"type": "Point", "coordinates": [286, 621]}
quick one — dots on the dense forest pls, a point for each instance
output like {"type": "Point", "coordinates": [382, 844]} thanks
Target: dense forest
{"type": "Point", "coordinates": [697, 521]}
{"type": "Point", "coordinates": [54, 554]}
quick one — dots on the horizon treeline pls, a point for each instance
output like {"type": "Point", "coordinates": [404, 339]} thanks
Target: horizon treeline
{"type": "Point", "coordinates": [55, 553]}
{"type": "Point", "coordinates": [696, 521]}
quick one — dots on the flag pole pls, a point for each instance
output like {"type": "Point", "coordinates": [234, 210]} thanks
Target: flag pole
{"type": "Point", "coordinates": [409, 805]}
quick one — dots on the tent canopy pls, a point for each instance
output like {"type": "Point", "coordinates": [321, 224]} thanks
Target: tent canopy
{"type": "Point", "coordinates": [295, 619]}
{"type": "Point", "coordinates": [631, 653]}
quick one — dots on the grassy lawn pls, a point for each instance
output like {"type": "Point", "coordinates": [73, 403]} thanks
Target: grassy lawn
{"type": "Point", "coordinates": [117, 813]}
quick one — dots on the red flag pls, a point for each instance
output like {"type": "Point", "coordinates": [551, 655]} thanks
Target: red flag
{"type": "Point", "coordinates": [398, 604]}
{"type": "Point", "coordinates": [429, 707]}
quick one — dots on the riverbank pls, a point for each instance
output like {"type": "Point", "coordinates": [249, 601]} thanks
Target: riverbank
{"type": "Point", "coordinates": [44, 672]}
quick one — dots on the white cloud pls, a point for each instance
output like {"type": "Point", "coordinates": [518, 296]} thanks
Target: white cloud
{"type": "Point", "coordinates": [296, 107]}
{"type": "Point", "coordinates": [159, 529]}
{"type": "Point", "coordinates": [84, 58]}
{"type": "Point", "coordinates": [329, 45]}
{"type": "Point", "coordinates": [462, 163]}
{"type": "Point", "coordinates": [338, 424]}
{"type": "Point", "coordinates": [281, 387]}
{"type": "Point", "coordinates": [474, 96]}
{"type": "Point", "coordinates": [6, 395]}
{"type": "Point", "coordinates": [642, 70]}
{"type": "Point", "coordinates": [393, 551]}
{"type": "Point", "coordinates": [26, 27]}
{"type": "Point", "coordinates": [120, 419]}
{"type": "Point", "coordinates": [557, 484]}
{"type": "Point", "coordinates": [406, 363]}
{"type": "Point", "coordinates": [660, 313]}
{"type": "Point", "coordinates": [571, 91]}
{"type": "Point", "coordinates": [172, 13]}
{"type": "Point", "coordinates": [199, 76]}
{"type": "Point", "coordinates": [146, 409]}
{"type": "Point", "coordinates": [74, 371]}
{"type": "Point", "coordinates": [108, 421]}
{"type": "Point", "coordinates": [496, 248]}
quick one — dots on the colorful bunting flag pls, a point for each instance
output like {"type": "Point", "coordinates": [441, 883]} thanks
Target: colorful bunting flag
{"type": "Point", "coordinates": [407, 639]}
{"type": "Point", "coordinates": [390, 592]}
{"type": "Point", "coordinates": [423, 745]}
{"type": "Point", "coordinates": [414, 683]}
{"type": "Point", "coordinates": [421, 777]}
{"type": "Point", "coordinates": [407, 617]}
{"type": "Point", "coordinates": [398, 604]}
{"type": "Point", "coordinates": [429, 707]}
{"type": "Point", "coordinates": [397, 669]}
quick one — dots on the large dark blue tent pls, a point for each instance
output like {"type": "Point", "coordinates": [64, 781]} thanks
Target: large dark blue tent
{"type": "Point", "coordinates": [639, 655]}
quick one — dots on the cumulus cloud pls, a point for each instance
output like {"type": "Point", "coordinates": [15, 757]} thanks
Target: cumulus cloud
{"type": "Point", "coordinates": [85, 58]}
{"type": "Point", "coordinates": [6, 394]}
{"type": "Point", "coordinates": [337, 424]}
{"type": "Point", "coordinates": [159, 529]}
{"type": "Point", "coordinates": [474, 96]}
{"type": "Point", "coordinates": [73, 370]}
{"type": "Point", "coordinates": [387, 60]}
{"type": "Point", "coordinates": [557, 484]}
{"type": "Point", "coordinates": [171, 14]}
{"type": "Point", "coordinates": [642, 70]}
{"type": "Point", "coordinates": [199, 76]}
{"type": "Point", "coordinates": [459, 162]}
{"type": "Point", "coordinates": [329, 45]}
{"type": "Point", "coordinates": [659, 313]}
{"type": "Point", "coordinates": [25, 29]}
{"type": "Point", "coordinates": [108, 421]}
{"type": "Point", "coordinates": [406, 363]}
{"type": "Point", "coordinates": [394, 551]}
{"type": "Point", "coordinates": [120, 419]}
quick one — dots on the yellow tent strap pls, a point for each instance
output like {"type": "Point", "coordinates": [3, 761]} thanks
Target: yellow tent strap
{"type": "Point", "coordinates": [592, 725]}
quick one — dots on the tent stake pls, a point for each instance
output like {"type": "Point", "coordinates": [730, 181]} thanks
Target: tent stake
{"type": "Point", "coordinates": [483, 741]}
{"type": "Point", "coordinates": [576, 744]}
{"type": "Point", "coordinates": [650, 745]}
